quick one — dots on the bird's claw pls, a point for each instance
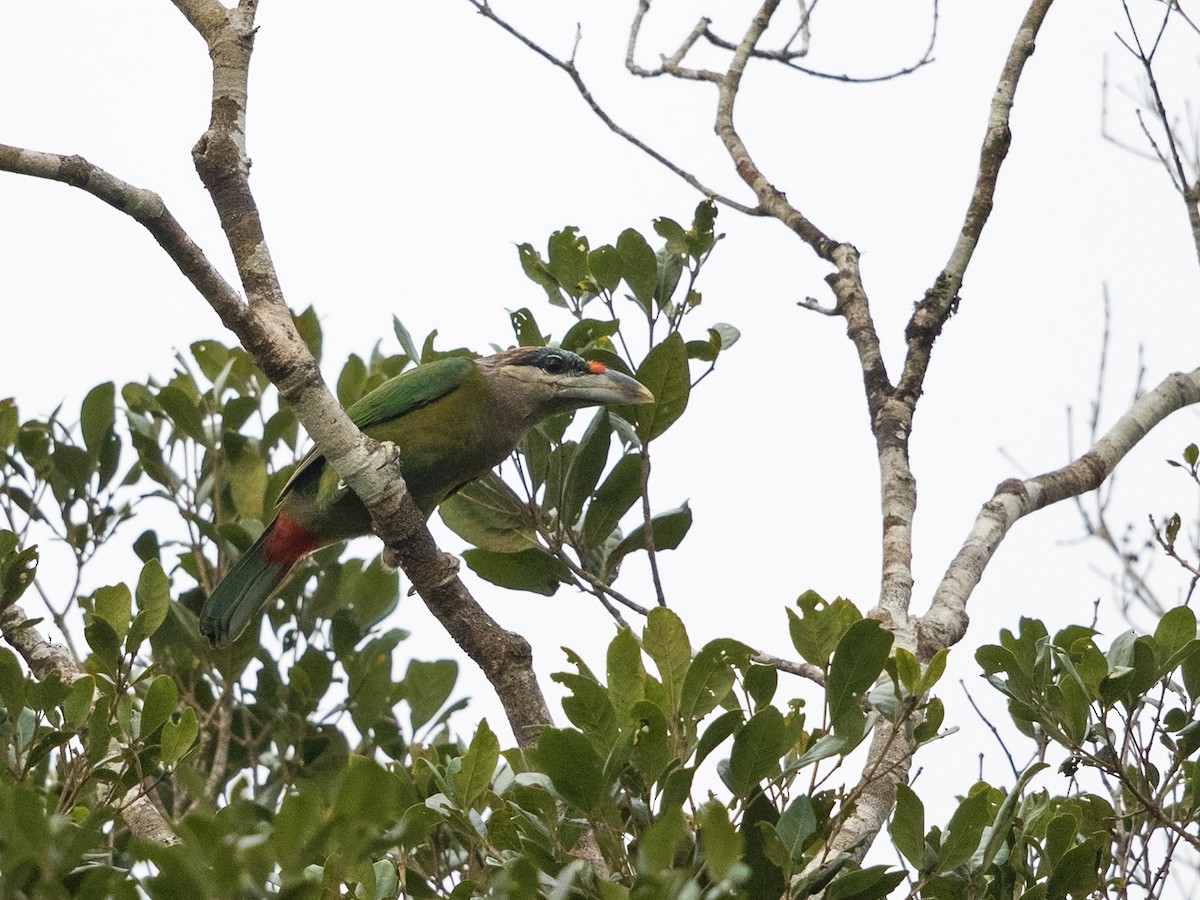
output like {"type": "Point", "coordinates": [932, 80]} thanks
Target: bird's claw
{"type": "Point", "coordinates": [451, 563]}
{"type": "Point", "coordinates": [392, 451]}
{"type": "Point", "coordinates": [390, 559]}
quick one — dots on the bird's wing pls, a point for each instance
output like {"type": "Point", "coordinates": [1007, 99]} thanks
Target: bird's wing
{"type": "Point", "coordinates": [394, 398]}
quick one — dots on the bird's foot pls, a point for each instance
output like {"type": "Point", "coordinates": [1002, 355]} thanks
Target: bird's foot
{"type": "Point", "coordinates": [392, 451]}
{"type": "Point", "coordinates": [390, 559]}
{"type": "Point", "coordinates": [450, 561]}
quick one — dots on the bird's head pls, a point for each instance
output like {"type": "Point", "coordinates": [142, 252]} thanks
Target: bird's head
{"type": "Point", "coordinates": [544, 381]}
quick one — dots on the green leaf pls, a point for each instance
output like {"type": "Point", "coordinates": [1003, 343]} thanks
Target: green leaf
{"type": "Point", "coordinates": [652, 749]}
{"type": "Point", "coordinates": [586, 467]}
{"type": "Point", "coordinates": [153, 598]}
{"type": "Point", "coordinates": [669, 530]}
{"type": "Point", "coordinates": [17, 571]}
{"type": "Point", "coordinates": [761, 683]}
{"type": "Point", "coordinates": [962, 836]}
{"type": "Point", "coordinates": [588, 331]}
{"type": "Point", "coordinates": [639, 267]}
{"type": "Point", "coordinates": [821, 625]}
{"type": "Point", "coordinates": [709, 677]}
{"type": "Point", "coordinates": [719, 840]}
{"type": "Point", "coordinates": [178, 737]}
{"type": "Point", "coordinates": [350, 382]}
{"type": "Point", "coordinates": [908, 669]}
{"type": "Point", "coordinates": [568, 260]}
{"type": "Point", "coordinates": [114, 604]}
{"type": "Point", "coordinates": [872, 883]}
{"type": "Point", "coordinates": [427, 687]}
{"type": "Point", "coordinates": [247, 474]}
{"type": "Point", "coordinates": [568, 758]}
{"type": "Point", "coordinates": [474, 776]}
{"type": "Point", "coordinates": [105, 644]}
{"type": "Point", "coordinates": [183, 412]}
{"type": "Point", "coordinates": [589, 708]}
{"type": "Point", "coordinates": [665, 372]}
{"type": "Point", "coordinates": [1191, 454]}
{"type": "Point", "coordinates": [626, 676]}
{"type": "Point", "coordinates": [908, 826]}
{"type": "Point", "coordinates": [1176, 628]}
{"type": "Point", "coordinates": [618, 492]}
{"type": "Point", "coordinates": [665, 641]}
{"type": "Point", "coordinates": [725, 335]}
{"type": "Point", "coordinates": [933, 671]}
{"type": "Point", "coordinates": [97, 417]}
{"type": "Point", "coordinates": [79, 701]}
{"type": "Point", "coordinates": [716, 733]}
{"type": "Point", "coordinates": [406, 341]}
{"type": "Point", "coordinates": [605, 266]}
{"type": "Point", "coordinates": [661, 842]}
{"type": "Point", "coordinates": [532, 570]}
{"type": "Point", "coordinates": [526, 329]}
{"type": "Point", "coordinates": [756, 750]}
{"type": "Point", "coordinates": [489, 514]}
{"type": "Point", "coordinates": [537, 272]}
{"type": "Point", "coordinates": [161, 700]}
{"type": "Point", "coordinates": [857, 663]}
{"type": "Point", "coordinates": [797, 824]}
{"type": "Point", "coordinates": [309, 327]}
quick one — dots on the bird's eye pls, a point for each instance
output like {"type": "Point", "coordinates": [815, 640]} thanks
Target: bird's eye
{"type": "Point", "coordinates": [553, 365]}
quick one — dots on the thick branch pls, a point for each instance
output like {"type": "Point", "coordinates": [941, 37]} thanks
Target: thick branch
{"type": "Point", "coordinates": [946, 621]}
{"type": "Point", "coordinates": [271, 338]}
{"type": "Point", "coordinates": [941, 300]}
{"type": "Point", "coordinates": [44, 659]}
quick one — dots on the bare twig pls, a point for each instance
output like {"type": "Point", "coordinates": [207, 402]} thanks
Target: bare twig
{"type": "Point", "coordinates": [946, 621]}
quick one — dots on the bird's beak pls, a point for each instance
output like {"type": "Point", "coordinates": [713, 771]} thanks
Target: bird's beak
{"type": "Point", "coordinates": [605, 386]}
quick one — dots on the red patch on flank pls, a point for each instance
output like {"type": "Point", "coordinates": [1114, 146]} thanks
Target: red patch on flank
{"type": "Point", "coordinates": [289, 541]}
{"type": "Point", "coordinates": [597, 368]}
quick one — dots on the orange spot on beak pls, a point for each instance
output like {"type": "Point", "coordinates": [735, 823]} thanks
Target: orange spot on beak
{"type": "Point", "coordinates": [597, 368]}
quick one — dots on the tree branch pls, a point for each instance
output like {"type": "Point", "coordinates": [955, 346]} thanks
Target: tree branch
{"type": "Point", "coordinates": [941, 300]}
{"type": "Point", "coordinates": [271, 338]}
{"type": "Point", "coordinates": [946, 621]}
{"type": "Point", "coordinates": [44, 659]}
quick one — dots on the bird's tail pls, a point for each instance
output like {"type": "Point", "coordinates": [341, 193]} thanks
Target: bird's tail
{"type": "Point", "coordinates": [243, 592]}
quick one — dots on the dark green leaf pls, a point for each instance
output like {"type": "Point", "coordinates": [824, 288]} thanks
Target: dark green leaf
{"type": "Point", "coordinates": [526, 329]}
{"type": "Point", "coordinates": [639, 267]}
{"type": "Point", "coordinates": [618, 492]}
{"type": "Point", "coordinates": [757, 748]}
{"type": "Point", "coordinates": [427, 687]}
{"type": "Point", "coordinates": [586, 467]}
{"type": "Point", "coordinates": [153, 597]}
{"type": "Point", "coordinates": [908, 826]}
{"type": "Point", "coordinates": [857, 662]}
{"type": "Point", "coordinates": [665, 641]}
{"type": "Point", "coordinates": [535, 269]}
{"type": "Point", "coordinates": [568, 260]}
{"type": "Point", "coordinates": [797, 824]}
{"type": "Point", "coordinates": [662, 842]}
{"type": "Point", "coordinates": [489, 514]}
{"type": "Point", "coordinates": [721, 728]}
{"type": "Point", "coordinates": [669, 530]}
{"type": "Point", "coordinates": [821, 625]}
{"type": "Point", "coordinates": [532, 570]}
{"type": "Point", "coordinates": [160, 702]}
{"type": "Point", "coordinates": [962, 835]}
{"type": "Point", "coordinates": [309, 327]}
{"type": "Point", "coordinates": [350, 382]}
{"type": "Point", "coordinates": [478, 765]}
{"type": "Point", "coordinates": [568, 758]}
{"type": "Point", "coordinates": [652, 747]}
{"type": "Point", "coordinates": [97, 417]}
{"type": "Point", "coordinates": [588, 331]}
{"type": "Point", "coordinates": [719, 840]}
{"type": "Point", "coordinates": [665, 372]}
{"type": "Point", "coordinates": [605, 266]}
{"type": "Point", "coordinates": [626, 675]}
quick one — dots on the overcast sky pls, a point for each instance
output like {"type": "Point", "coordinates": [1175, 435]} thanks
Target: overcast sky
{"type": "Point", "coordinates": [401, 150]}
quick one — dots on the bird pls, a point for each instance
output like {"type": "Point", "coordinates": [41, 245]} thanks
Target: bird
{"type": "Point", "coordinates": [452, 420]}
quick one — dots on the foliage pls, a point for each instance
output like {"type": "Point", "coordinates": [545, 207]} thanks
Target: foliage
{"type": "Point", "coordinates": [292, 769]}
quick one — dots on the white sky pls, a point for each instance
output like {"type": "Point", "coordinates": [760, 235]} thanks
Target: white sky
{"type": "Point", "coordinates": [402, 149]}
